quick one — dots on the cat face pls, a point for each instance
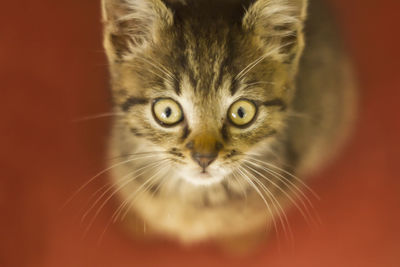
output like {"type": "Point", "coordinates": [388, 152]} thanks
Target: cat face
{"type": "Point", "coordinates": [205, 88]}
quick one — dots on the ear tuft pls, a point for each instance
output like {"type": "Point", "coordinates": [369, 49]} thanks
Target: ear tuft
{"type": "Point", "coordinates": [131, 25]}
{"type": "Point", "coordinates": [278, 24]}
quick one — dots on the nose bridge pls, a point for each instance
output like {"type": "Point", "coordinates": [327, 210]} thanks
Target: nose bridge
{"type": "Point", "coordinates": [206, 139]}
{"type": "Point", "coordinates": [207, 110]}
{"type": "Point", "coordinates": [206, 142]}
{"type": "Point", "coordinates": [204, 148]}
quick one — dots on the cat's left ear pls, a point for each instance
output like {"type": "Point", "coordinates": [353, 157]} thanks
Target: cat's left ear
{"type": "Point", "coordinates": [132, 25]}
{"type": "Point", "coordinates": [278, 26]}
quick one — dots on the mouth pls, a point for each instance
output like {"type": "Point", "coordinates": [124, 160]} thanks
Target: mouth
{"type": "Point", "coordinates": [204, 174]}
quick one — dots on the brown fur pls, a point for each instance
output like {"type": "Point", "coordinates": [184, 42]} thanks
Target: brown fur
{"type": "Point", "coordinates": [205, 55]}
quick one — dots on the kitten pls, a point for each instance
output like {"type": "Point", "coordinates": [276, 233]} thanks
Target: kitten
{"type": "Point", "coordinates": [216, 110]}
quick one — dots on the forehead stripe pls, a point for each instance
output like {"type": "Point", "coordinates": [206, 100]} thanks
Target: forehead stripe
{"type": "Point", "coordinates": [234, 86]}
{"type": "Point", "coordinates": [131, 101]}
{"type": "Point", "coordinates": [275, 102]}
{"type": "Point", "coordinates": [177, 86]}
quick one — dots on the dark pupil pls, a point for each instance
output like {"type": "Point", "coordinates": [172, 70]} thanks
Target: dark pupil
{"type": "Point", "coordinates": [241, 112]}
{"type": "Point", "coordinates": [168, 112]}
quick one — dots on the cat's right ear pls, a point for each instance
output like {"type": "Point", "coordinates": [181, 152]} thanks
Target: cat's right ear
{"type": "Point", "coordinates": [132, 25]}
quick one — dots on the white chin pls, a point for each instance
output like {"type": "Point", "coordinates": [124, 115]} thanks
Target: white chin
{"type": "Point", "coordinates": [200, 178]}
{"type": "Point", "coordinates": [195, 176]}
{"type": "Point", "coordinates": [203, 179]}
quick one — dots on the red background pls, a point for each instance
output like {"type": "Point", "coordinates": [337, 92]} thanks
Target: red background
{"type": "Point", "coordinates": [53, 71]}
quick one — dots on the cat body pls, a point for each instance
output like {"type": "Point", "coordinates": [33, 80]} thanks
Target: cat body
{"type": "Point", "coordinates": [217, 110]}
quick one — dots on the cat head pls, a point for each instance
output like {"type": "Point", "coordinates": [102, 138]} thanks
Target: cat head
{"type": "Point", "coordinates": [205, 81]}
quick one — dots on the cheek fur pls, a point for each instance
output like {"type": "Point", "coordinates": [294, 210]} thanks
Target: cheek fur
{"type": "Point", "coordinates": [206, 55]}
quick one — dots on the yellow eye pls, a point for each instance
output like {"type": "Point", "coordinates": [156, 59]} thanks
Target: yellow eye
{"type": "Point", "coordinates": [242, 112]}
{"type": "Point", "coordinates": [167, 112]}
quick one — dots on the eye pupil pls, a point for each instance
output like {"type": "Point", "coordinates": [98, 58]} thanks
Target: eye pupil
{"type": "Point", "coordinates": [241, 112]}
{"type": "Point", "coordinates": [168, 112]}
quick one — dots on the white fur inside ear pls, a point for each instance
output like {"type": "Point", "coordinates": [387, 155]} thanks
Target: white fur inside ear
{"type": "Point", "coordinates": [265, 15]}
{"type": "Point", "coordinates": [277, 26]}
{"type": "Point", "coordinates": [137, 20]}
{"type": "Point", "coordinates": [144, 19]}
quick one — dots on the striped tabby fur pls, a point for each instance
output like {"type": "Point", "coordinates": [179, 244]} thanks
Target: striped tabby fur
{"type": "Point", "coordinates": [205, 55]}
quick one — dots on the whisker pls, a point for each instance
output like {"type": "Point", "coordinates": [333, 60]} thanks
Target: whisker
{"type": "Point", "coordinates": [137, 154]}
{"type": "Point", "coordinates": [249, 67]}
{"type": "Point", "coordinates": [159, 75]}
{"type": "Point", "coordinates": [94, 195]}
{"type": "Point", "coordinates": [127, 205]}
{"type": "Point", "coordinates": [159, 186]}
{"type": "Point", "coordinates": [141, 189]}
{"type": "Point", "coordinates": [278, 208]}
{"type": "Point", "coordinates": [98, 116]}
{"type": "Point", "coordinates": [299, 194]}
{"type": "Point", "coordinates": [237, 180]}
{"type": "Point", "coordinates": [303, 213]}
{"type": "Point", "coordinates": [161, 68]}
{"type": "Point", "coordinates": [288, 173]}
{"type": "Point", "coordinates": [259, 82]}
{"type": "Point", "coordinates": [266, 188]}
{"type": "Point", "coordinates": [262, 197]}
{"type": "Point", "coordinates": [130, 159]}
{"type": "Point", "coordinates": [126, 182]}
{"type": "Point", "coordinates": [117, 213]}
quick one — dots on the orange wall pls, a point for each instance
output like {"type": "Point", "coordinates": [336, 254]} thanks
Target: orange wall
{"type": "Point", "coordinates": [52, 70]}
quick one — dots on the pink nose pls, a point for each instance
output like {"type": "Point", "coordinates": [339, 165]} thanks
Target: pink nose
{"type": "Point", "coordinates": [204, 160]}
